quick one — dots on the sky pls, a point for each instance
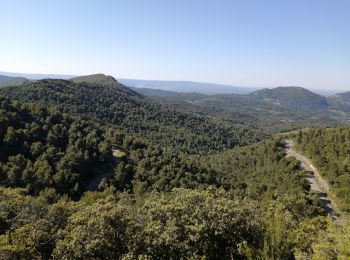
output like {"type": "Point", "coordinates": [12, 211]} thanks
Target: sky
{"type": "Point", "coordinates": [260, 43]}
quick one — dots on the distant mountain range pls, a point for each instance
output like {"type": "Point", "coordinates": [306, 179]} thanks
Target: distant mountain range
{"type": "Point", "coordinates": [275, 110]}
{"type": "Point", "coordinates": [205, 96]}
{"type": "Point", "coordinates": [175, 86]}
{"type": "Point", "coordinates": [272, 110]}
{"type": "Point", "coordinates": [36, 76]}
{"type": "Point", "coordinates": [280, 98]}
{"type": "Point", "coordinates": [187, 86]}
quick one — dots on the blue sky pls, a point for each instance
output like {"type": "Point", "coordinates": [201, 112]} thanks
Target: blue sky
{"type": "Point", "coordinates": [246, 43]}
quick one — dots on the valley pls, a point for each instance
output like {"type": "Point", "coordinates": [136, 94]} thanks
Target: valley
{"type": "Point", "coordinates": [197, 175]}
{"type": "Point", "coordinates": [151, 130]}
{"type": "Point", "coordinates": [286, 108]}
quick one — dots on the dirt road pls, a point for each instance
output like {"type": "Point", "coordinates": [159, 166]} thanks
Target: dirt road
{"type": "Point", "coordinates": [317, 183]}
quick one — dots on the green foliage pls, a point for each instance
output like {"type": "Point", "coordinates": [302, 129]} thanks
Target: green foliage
{"type": "Point", "coordinates": [185, 224]}
{"type": "Point", "coordinates": [42, 148]}
{"type": "Point", "coordinates": [333, 242]}
{"type": "Point", "coordinates": [29, 225]}
{"type": "Point", "coordinates": [273, 110]}
{"type": "Point", "coordinates": [185, 194]}
{"type": "Point", "coordinates": [258, 170]}
{"type": "Point", "coordinates": [134, 116]}
{"type": "Point", "coordinates": [195, 224]}
{"type": "Point", "coordinates": [180, 224]}
{"type": "Point", "coordinates": [101, 231]}
{"type": "Point", "coordinates": [329, 149]}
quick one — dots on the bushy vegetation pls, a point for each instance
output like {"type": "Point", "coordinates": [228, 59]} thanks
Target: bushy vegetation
{"type": "Point", "coordinates": [329, 149]}
{"type": "Point", "coordinates": [259, 170]}
{"type": "Point", "coordinates": [42, 148]}
{"type": "Point", "coordinates": [183, 223]}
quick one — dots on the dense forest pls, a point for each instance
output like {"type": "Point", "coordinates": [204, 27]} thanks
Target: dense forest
{"type": "Point", "coordinates": [110, 103]}
{"type": "Point", "coordinates": [329, 149]}
{"type": "Point", "coordinates": [188, 186]}
{"type": "Point", "coordinates": [259, 170]}
{"type": "Point", "coordinates": [41, 148]}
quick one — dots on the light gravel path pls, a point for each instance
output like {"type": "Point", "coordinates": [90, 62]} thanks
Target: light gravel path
{"type": "Point", "coordinates": [317, 183]}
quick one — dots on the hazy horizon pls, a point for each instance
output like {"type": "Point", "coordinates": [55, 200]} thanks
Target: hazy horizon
{"type": "Point", "coordinates": [235, 89]}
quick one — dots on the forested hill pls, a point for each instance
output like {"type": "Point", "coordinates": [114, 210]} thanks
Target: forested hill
{"type": "Point", "coordinates": [12, 81]}
{"type": "Point", "coordinates": [3, 78]}
{"type": "Point", "coordinates": [140, 118]}
{"type": "Point", "coordinates": [279, 100]}
{"type": "Point", "coordinates": [105, 80]}
{"type": "Point", "coordinates": [296, 99]}
{"type": "Point", "coordinates": [293, 98]}
{"type": "Point", "coordinates": [340, 101]}
{"type": "Point", "coordinates": [273, 110]}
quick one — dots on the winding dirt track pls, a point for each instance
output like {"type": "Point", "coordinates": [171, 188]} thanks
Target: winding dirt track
{"type": "Point", "coordinates": [317, 183]}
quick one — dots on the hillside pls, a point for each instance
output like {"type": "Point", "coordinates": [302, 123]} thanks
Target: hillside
{"type": "Point", "coordinates": [12, 81]}
{"type": "Point", "coordinates": [3, 78]}
{"type": "Point", "coordinates": [56, 135]}
{"type": "Point", "coordinates": [340, 101]}
{"type": "Point", "coordinates": [175, 130]}
{"type": "Point", "coordinates": [100, 79]}
{"type": "Point", "coordinates": [329, 150]}
{"type": "Point", "coordinates": [245, 196]}
{"type": "Point", "coordinates": [16, 81]}
{"type": "Point", "coordinates": [278, 109]}
{"type": "Point", "coordinates": [115, 104]}
{"type": "Point", "coordinates": [292, 98]}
